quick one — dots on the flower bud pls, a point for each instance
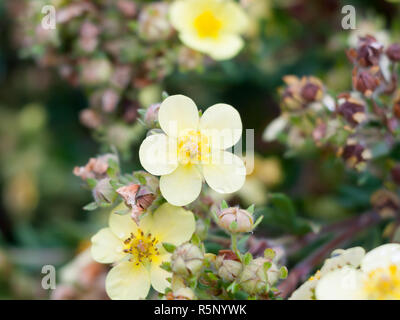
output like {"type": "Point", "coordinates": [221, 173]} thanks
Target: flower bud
{"type": "Point", "coordinates": [90, 118]}
{"type": "Point", "coordinates": [187, 260]}
{"type": "Point", "coordinates": [235, 220]}
{"type": "Point", "coordinates": [368, 51]}
{"type": "Point", "coordinates": [393, 52]}
{"type": "Point", "coordinates": [365, 82]}
{"type": "Point", "coordinates": [355, 155]}
{"type": "Point", "coordinates": [352, 109]}
{"type": "Point", "coordinates": [256, 276]}
{"type": "Point", "coordinates": [96, 168]}
{"type": "Point", "coordinates": [151, 115]}
{"type": "Point", "coordinates": [104, 192]}
{"type": "Point", "coordinates": [154, 23]}
{"type": "Point", "coordinates": [228, 265]}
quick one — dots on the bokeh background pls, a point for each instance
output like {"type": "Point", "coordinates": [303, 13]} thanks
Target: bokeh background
{"type": "Point", "coordinates": [42, 138]}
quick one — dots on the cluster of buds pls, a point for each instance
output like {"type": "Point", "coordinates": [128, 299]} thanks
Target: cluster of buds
{"type": "Point", "coordinates": [120, 48]}
{"type": "Point", "coordinates": [357, 122]}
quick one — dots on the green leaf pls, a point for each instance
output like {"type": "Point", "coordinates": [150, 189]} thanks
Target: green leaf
{"type": "Point", "coordinates": [251, 209]}
{"type": "Point", "coordinates": [247, 258]}
{"type": "Point", "coordinates": [91, 206]}
{"type": "Point", "coordinates": [233, 226]}
{"type": "Point", "coordinates": [283, 272]}
{"type": "Point", "coordinates": [122, 212]}
{"type": "Point", "coordinates": [92, 183]}
{"type": "Point", "coordinates": [267, 265]}
{"type": "Point", "coordinates": [258, 221]}
{"type": "Point", "coordinates": [269, 253]}
{"type": "Point", "coordinates": [166, 266]}
{"type": "Point", "coordinates": [224, 205]}
{"type": "Point", "coordinates": [196, 239]}
{"type": "Point", "coordinates": [233, 287]}
{"type": "Point", "coordinates": [169, 247]}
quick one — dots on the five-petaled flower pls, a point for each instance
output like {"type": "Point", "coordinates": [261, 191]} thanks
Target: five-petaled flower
{"type": "Point", "coordinates": [210, 26]}
{"type": "Point", "coordinates": [192, 148]}
{"type": "Point", "coordinates": [137, 250]}
{"type": "Point", "coordinates": [378, 278]}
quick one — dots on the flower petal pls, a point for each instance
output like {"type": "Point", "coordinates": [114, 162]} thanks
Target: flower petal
{"type": "Point", "coordinates": [222, 123]}
{"type": "Point", "coordinates": [178, 113]}
{"type": "Point", "coordinates": [382, 256]}
{"type": "Point", "coordinates": [128, 281]}
{"type": "Point", "coordinates": [106, 247]}
{"type": "Point", "coordinates": [121, 225]}
{"type": "Point", "coordinates": [158, 154]}
{"type": "Point", "coordinates": [233, 17]}
{"type": "Point", "coordinates": [172, 224]}
{"type": "Point", "coordinates": [226, 46]}
{"type": "Point", "coordinates": [342, 284]}
{"type": "Point", "coordinates": [159, 276]}
{"type": "Point", "coordinates": [182, 186]}
{"type": "Point", "coordinates": [226, 173]}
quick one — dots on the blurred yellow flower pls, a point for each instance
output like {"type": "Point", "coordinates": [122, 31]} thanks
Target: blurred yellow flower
{"type": "Point", "coordinates": [210, 26]}
{"type": "Point", "coordinates": [378, 278]}
{"type": "Point", "coordinates": [192, 148]}
{"type": "Point", "coordinates": [137, 249]}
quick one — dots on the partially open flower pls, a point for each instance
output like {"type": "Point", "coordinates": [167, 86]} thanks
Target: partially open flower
{"type": "Point", "coordinates": [187, 260]}
{"type": "Point", "coordinates": [235, 220]}
{"type": "Point", "coordinates": [228, 265]}
{"type": "Point", "coordinates": [258, 275]}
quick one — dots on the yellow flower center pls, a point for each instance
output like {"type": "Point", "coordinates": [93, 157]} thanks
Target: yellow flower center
{"type": "Point", "coordinates": [207, 25]}
{"type": "Point", "coordinates": [142, 247]}
{"type": "Point", "coordinates": [383, 283]}
{"type": "Point", "coordinates": [193, 148]}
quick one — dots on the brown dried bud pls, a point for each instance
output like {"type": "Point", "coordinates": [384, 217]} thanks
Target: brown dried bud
{"type": "Point", "coordinates": [96, 168]}
{"type": "Point", "coordinates": [355, 155]}
{"type": "Point", "coordinates": [138, 198]}
{"type": "Point", "coordinates": [368, 51]}
{"type": "Point", "coordinates": [393, 52]}
{"type": "Point", "coordinates": [301, 92]}
{"type": "Point", "coordinates": [386, 202]}
{"type": "Point", "coordinates": [353, 110]}
{"type": "Point", "coordinates": [366, 82]}
{"type": "Point", "coordinates": [235, 220]}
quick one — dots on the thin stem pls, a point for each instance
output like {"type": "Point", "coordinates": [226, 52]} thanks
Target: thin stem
{"type": "Point", "coordinates": [234, 245]}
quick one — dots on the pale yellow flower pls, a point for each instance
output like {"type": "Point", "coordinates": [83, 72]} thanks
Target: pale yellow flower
{"type": "Point", "coordinates": [378, 278]}
{"type": "Point", "coordinates": [137, 250]}
{"type": "Point", "coordinates": [210, 26]}
{"type": "Point", "coordinates": [192, 148]}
